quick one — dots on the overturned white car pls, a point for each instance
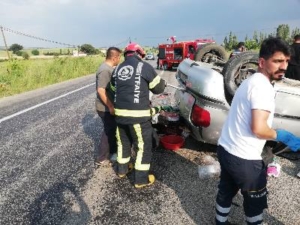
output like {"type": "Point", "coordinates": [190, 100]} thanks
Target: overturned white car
{"type": "Point", "coordinates": [209, 90]}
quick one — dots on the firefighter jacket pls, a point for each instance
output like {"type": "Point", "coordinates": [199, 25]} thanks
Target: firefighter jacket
{"type": "Point", "coordinates": [131, 82]}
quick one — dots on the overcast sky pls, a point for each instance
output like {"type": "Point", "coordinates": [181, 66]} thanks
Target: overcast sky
{"type": "Point", "coordinates": [105, 23]}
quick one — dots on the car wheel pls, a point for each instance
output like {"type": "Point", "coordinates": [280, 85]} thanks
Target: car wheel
{"type": "Point", "coordinates": [237, 69]}
{"type": "Point", "coordinates": [211, 53]}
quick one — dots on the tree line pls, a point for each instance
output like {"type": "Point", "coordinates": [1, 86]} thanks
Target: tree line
{"type": "Point", "coordinates": [17, 49]}
{"type": "Point", "coordinates": [283, 31]}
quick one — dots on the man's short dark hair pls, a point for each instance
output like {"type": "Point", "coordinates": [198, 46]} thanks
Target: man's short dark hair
{"type": "Point", "coordinates": [111, 51]}
{"type": "Point", "coordinates": [274, 44]}
{"type": "Point", "coordinates": [297, 37]}
{"type": "Point", "coordinates": [240, 44]}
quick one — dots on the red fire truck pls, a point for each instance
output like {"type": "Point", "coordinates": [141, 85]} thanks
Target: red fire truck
{"type": "Point", "coordinates": [170, 55]}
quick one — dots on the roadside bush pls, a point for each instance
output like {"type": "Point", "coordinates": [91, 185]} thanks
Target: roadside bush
{"type": "Point", "coordinates": [88, 49]}
{"type": "Point", "coordinates": [19, 53]}
{"type": "Point", "coordinates": [15, 68]}
{"type": "Point", "coordinates": [35, 52]}
{"type": "Point", "coordinates": [52, 53]}
{"type": "Point", "coordinates": [25, 55]}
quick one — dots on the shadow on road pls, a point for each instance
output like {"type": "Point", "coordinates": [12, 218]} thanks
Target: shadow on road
{"type": "Point", "coordinates": [93, 127]}
{"type": "Point", "coordinates": [61, 202]}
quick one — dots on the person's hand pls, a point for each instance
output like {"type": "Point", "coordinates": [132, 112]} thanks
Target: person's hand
{"type": "Point", "coordinates": [288, 139]}
{"type": "Point", "coordinates": [112, 111]}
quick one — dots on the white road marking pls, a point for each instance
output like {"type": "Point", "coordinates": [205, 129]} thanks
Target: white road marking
{"type": "Point", "coordinates": [161, 73]}
{"type": "Point", "coordinates": [43, 103]}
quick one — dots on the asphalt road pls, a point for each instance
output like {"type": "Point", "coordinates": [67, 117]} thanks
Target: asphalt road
{"type": "Point", "coordinates": [48, 141]}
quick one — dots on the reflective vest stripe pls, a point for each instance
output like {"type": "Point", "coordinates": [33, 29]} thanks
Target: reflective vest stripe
{"type": "Point", "coordinates": [140, 153]}
{"type": "Point", "coordinates": [155, 81]}
{"type": "Point", "coordinates": [120, 149]}
{"type": "Point", "coordinates": [113, 88]}
{"type": "Point", "coordinates": [133, 113]}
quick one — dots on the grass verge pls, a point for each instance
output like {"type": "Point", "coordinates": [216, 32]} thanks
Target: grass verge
{"type": "Point", "coordinates": [17, 76]}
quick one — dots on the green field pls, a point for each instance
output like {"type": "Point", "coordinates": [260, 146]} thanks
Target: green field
{"type": "Point", "coordinates": [4, 53]}
{"type": "Point", "coordinates": [17, 76]}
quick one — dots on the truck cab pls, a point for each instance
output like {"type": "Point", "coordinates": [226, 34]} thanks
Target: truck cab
{"type": "Point", "coordinates": [170, 55]}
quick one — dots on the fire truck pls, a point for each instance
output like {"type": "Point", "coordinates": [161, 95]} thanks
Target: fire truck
{"type": "Point", "coordinates": [205, 50]}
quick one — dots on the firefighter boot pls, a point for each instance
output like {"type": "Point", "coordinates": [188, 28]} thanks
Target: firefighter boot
{"type": "Point", "coordinates": [151, 180]}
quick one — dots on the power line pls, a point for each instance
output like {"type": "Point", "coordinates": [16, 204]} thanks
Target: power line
{"type": "Point", "coordinates": [37, 38]}
{"type": "Point", "coordinates": [123, 42]}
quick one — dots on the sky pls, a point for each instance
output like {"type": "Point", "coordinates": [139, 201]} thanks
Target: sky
{"type": "Point", "coordinates": [104, 23]}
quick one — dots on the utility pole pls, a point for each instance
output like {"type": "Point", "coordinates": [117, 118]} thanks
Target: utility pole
{"type": "Point", "coordinates": [5, 42]}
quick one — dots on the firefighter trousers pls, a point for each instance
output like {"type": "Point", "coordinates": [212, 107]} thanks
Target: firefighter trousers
{"type": "Point", "coordinates": [250, 177]}
{"type": "Point", "coordinates": [139, 136]}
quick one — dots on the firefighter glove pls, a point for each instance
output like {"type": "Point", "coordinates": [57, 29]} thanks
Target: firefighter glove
{"type": "Point", "coordinates": [155, 110]}
{"type": "Point", "coordinates": [288, 139]}
{"type": "Point", "coordinates": [167, 108]}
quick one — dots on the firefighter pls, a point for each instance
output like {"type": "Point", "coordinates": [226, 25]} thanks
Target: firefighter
{"type": "Point", "coordinates": [131, 81]}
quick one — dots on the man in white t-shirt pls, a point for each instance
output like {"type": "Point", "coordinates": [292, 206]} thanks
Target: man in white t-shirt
{"type": "Point", "coordinates": [245, 132]}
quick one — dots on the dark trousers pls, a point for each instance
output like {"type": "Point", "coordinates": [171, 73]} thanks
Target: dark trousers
{"type": "Point", "coordinates": [250, 177]}
{"type": "Point", "coordinates": [140, 136]}
{"type": "Point", "coordinates": [108, 142]}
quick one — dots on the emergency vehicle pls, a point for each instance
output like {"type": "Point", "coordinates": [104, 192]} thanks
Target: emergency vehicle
{"type": "Point", "coordinates": [170, 55]}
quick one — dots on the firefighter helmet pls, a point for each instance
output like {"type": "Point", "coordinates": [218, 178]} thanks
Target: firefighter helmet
{"type": "Point", "coordinates": [133, 47]}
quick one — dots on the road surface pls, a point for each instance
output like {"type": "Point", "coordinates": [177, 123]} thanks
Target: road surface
{"type": "Point", "coordinates": [47, 176]}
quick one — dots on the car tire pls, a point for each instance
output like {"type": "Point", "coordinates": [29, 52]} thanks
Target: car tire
{"type": "Point", "coordinates": [204, 53]}
{"type": "Point", "coordinates": [237, 69]}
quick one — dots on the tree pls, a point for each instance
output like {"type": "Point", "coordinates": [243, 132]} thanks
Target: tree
{"type": "Point", "coordinates": [255, 37]}
{"type": "Point", "coordinates": [15, 48]}
{"type": "Point", "coordinates": [35, 52]}
{"type": "Point", "coordinates": [225, 42]}
{"type": "Point", "coordinates": [88, 49]}
{"type": "Point", "coordinates": [230, 42]}
{"type": "Point", "coordinates": [283, 31]}
{"type": "Point", "coordinates": [262, 37]}
{"type": "Point", "coordinates": [251, 44]}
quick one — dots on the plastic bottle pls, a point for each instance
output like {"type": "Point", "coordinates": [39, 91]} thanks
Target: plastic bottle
{"type": "Point", "coordinates": [209, 170]}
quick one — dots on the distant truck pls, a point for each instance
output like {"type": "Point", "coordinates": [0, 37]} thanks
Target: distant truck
{"type": "Point", "coordinates": [204, 50]}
